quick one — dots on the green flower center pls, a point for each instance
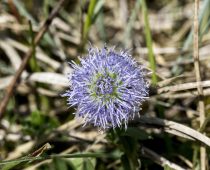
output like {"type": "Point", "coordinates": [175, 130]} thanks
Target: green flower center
{"type": "Point", "coordinates": [104, 86]}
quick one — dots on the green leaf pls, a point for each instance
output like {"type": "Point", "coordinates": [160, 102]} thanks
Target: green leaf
{"type": "Point", "coordinates": [10, 165]}
{"type": "Point", "coordinates": [149, 42]}
{"type": "Point", "coordinates": [87, 164]}
{"type": "Point", "coordinates": [60, 164]}
{"type": "Point", "coordinates": [166, 167]}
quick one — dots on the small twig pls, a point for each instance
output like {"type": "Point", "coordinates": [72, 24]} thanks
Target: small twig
{"type": "Point", "coordinates": [28, 55]}
{"type": "Point", "coordinates": [159, 159]}
{"type": "Point", "coordinates": [198, 79]}
{"type": "Point", "coordinates": [165, 82]}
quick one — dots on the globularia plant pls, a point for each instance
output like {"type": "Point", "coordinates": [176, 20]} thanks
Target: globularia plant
{"type": "Point", "coordinates": [107, 88]}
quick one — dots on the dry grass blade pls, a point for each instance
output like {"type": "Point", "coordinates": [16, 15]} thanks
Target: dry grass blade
{"type": "Point", "coordinates": [185, 86]}
{"type": "Point", "coordinates": [4, 82]}
{"type": "Point", "coordinates": [168, 81]}
{"type": "Point", "coordinates": [39, 54]}
{"type": "Point", "coordinates": [49, 78]}
{"type": "Point", "coordinates": [198, 79]}
{"type": "Point", "coordinates": [11, 53]}
{"type": "Point", "coordinates": [159, 159]}
{"type": "Point", "coordinates": [181, 129]}
{"type": "Point", "coordinates": [41, 77]}
{"type": "Point", "coordinates": [190, 94]}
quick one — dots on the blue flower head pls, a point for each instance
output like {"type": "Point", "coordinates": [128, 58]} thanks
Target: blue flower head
{"type": "Point", "coordinates": [107, 88]}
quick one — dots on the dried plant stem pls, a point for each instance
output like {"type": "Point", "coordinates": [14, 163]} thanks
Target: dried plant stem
{"type": "Point", "coordinates": [28, 55]}
{"type": "Point", "coordinates": [184, 86]}
{"type": "Point", "coordinates": [159, 159]}
{"type": "Point", "coordinates": [198, 79]}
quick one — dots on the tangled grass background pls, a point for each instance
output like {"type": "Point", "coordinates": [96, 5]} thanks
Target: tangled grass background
{"type": "Point", "coordinates": [165, 43]}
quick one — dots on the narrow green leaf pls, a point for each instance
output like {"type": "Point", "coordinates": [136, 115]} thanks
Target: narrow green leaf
{"type": "Point", "coordinates": [149, 42]}
{"type": "Point", "coordinates": [76, 155]}
{"type": "Point", "coordinates": [87, 164]}
{"type": "Point", "coordinates": [33, 62]}
{"type": "Point", "coordinates": [89, 18]}
{"type": "Point", "coordinates": [60, 164]}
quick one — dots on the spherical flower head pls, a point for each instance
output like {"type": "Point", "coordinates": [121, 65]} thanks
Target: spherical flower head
{"type": "Point", "coordinates": [107, 88]}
